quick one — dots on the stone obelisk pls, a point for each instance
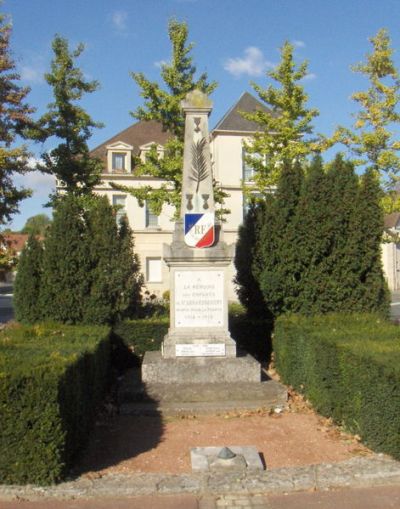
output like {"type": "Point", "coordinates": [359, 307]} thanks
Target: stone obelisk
{"type": "Point", "coordinates": [198, 257]}
{"type": "Point", "coordinates": [198, 347]}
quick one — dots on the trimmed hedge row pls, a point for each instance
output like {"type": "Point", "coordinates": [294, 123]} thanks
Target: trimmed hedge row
{"type": "Point", "coordinates": [52, 378]}
{"type": "Point", "coordinates": [252, 336]}
{"type": "Point", "coordinates": [348, 366]}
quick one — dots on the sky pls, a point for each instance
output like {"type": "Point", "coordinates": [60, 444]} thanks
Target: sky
{"type": "Point", "coordinates": [235, 41]}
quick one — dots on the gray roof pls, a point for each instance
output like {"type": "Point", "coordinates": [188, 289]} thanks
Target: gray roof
{"type": "Point", "coordinates": [234, 121]}
{"type": "Point", "coordinates": [145, 131]}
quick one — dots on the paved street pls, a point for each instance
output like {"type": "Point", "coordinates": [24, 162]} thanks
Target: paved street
{"type": "Point", "coordinates": [395, 306]}
{"type": "Point", "coordinates": [6, 308]}
{"type": "Point", "coordinates": [384, 497]}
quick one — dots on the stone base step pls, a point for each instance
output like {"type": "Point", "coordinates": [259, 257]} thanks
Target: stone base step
{"type": "Point", "coordinates": [190, 370]}
{"type": "Point", "coordinates": [136, 397]}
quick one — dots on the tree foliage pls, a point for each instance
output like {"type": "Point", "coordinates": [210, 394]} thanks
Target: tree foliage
{"type": "Point", "coordinates": [318, 249]}
{"type": "Point", "coordinates": [68, 122]}
{"type": "Point", "coordinates": [372, 139]}
{"type": "Point", "coordinates": [285, 130]}
{"type": "Point", "coordinates": [163, 104]}
{"type": "Point", "coordinates": [27, 284]}
{"type": "Point", "coordinates": [14, 122]}
{"type": "Point", "coordinates": [89, 272]}
{"type": "Point", "coordinates": [37, 224]}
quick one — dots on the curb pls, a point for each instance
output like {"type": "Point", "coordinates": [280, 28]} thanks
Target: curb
{"type": "Point", "coordinates": [375, 470]}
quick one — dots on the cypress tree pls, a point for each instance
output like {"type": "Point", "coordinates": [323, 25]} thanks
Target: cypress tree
{"type": "Point", "coordinates": [367, 229]}
{"type": "Point", "coordinates": [66, 263]}
{"type": "Point", "coordinates": [340, 281]}
{"type": "Point", "coordinates": [104, 250]}
{"type": "Point", "coordinates": [28, 281]}
{"type": "Point", "coordinates": [248, 289]}
{"type": "Point", "coordinates": [129, 298]}
{"type": "Point", "coordinates": [278, 277]}
{"type": "Point", "coordinates": [313, 239]}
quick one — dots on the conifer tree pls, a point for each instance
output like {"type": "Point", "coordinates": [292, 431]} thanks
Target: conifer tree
{"type": "Point", "coordinates": [163, 104]}
{"type": "Point", "coordinates": [312, 238]}
{"type": "Point", "coordinates": [279, 276]}
{"type": "Point", "coordinates": [372, 294]}
{"type": "Point", "coordinates": [129, 299]}
{"type": "Point", "coordinates": [68, 122]}
{"type": "Point", "coordinates": [28, 282]}
{"type": "Point", "coordinates": [103, 252]}
{"type": "Point", "coordinates": [285, 130]}
{"type": "Point", "coordinates": [373, 140]}
{"type": "Point", "coordinates": [66, 263]}
{"type": "Point", "coordinates": [248, 289]}
{"type": "Point", "coordinates": [14, 121]}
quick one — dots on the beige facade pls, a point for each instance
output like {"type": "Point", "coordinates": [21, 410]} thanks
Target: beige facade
{"type": "Point", "coordinates": [152, 232]}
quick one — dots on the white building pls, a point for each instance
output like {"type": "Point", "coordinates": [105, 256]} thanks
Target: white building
{"type": "Point", "coordinates": [391, 251]}
{"type": "Point", "coordinates": [151, 232]}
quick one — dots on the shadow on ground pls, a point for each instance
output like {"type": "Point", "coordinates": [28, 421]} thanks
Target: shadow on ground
{"type": "Point", "coordinates": [119, 437]}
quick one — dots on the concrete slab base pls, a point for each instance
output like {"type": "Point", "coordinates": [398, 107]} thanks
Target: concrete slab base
{"type": "Point", "coordinates": [182, 370]}
{"type": "Point", "coordinates": [206, 459]}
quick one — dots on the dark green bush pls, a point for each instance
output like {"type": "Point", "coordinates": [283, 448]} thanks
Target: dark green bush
{"type": "Point", "coordinates": [52, 378]}
{"type": "Point", "coordinates": [141, 335]}
{"type": "Point", "coordinates": [252, 336]}
{"type": "Point", "coordinates": [348, 366]}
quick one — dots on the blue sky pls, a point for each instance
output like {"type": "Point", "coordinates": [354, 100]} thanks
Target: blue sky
{"type": "Point", "coordinates": [236, 42]}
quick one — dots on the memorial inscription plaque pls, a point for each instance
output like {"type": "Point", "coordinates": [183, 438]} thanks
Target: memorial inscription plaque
{"type": "Point", "coordinates": [199, 298]}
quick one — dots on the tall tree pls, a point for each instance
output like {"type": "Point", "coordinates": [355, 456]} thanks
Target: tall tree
{"type": "Point", "coordinates": [28, 282]}
{"type": "Point", "coordinates": [248, 288]}
{"type": "Point", "coordinates": [14, 121]}
{"type": "Point", "coordinates": [285, 130]}
{"type": "Point", "coordinates": [366, 260]}
{"type": "Point", "coordinates": [129, 298]}
{"type": "Point", "coordinates": [66, 263]}
{"type": "Point", "coordinates": [67, 121]}
{"type": "Point", "coordinates": [280, 272]}
{"type": "Point", "coordinates": [373, 140]}
{"type": "Point", "coordinates": [36, 224]}
{"type": "Point", "coordinates": [163, 104]}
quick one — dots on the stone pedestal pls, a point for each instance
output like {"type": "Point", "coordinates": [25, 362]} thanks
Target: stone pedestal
{"type": "Point", "coordinates": [198, 300]}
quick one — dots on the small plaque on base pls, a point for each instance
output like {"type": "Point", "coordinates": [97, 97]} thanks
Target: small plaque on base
{"type": "Point", "coordinates": [200, 350]}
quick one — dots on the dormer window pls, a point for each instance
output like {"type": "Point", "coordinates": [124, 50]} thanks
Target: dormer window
{"type": "Point", "coordinates": [119, 157]}
{"type": "Point", "coordinates": [118, 161]}
{"type": "Point", "coordinates": [145, 151]}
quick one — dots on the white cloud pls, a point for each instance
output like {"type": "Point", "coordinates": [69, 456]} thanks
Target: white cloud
{"type": "Point", "coordinates": [32, 74]}
{"type": "Point", "coordinates": [299, 44]}
{"type": "Point", "coordinates": [253, 63]}
{"type": "Point", "coordinates": [160, 63]}
{"type": "Point", "coordinates": [119, 20]}
{"type": "Point", "coordinates": [310, 76]}
{"type": "Point", "coordinates": [40, 183]}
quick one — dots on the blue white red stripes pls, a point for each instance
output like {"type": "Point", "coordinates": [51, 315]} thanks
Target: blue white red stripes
{"type": "Point", "coordinates": [199, 229]}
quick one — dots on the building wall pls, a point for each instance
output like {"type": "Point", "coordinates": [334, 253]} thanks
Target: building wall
{"type": "Point", "coordinates": [391, 264]}
{"type": "Point", "coordinates": [227, 167]}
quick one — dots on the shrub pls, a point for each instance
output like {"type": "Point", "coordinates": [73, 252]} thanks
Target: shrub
{"type": "Point", "coordinates": [52, 378]}
{"type": "Point", "coordinates": [348, 366]}
{"type": "Point", "coordinates": [27, 282]}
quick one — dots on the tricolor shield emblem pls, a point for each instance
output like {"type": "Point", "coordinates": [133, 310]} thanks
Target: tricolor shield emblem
{"type": "Point", "coordinates": [199, 229]}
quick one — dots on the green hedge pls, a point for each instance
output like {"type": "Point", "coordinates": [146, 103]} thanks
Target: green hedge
{"type": "Point", "coordinates": [348, 366]}
{"type": "Point", "coordinates": [141, 335]}
{"type": "Point", "coordinates": [52, 378]}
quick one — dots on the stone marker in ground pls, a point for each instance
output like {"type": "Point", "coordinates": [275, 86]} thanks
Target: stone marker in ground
{"type": "Point", "coordinates": [198, 348]}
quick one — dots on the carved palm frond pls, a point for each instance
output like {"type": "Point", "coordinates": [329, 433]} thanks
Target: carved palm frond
{"type": "Point", "coordinates": [199, 163]}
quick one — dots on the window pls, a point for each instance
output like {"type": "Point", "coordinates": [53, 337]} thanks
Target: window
{"type": "Point", "coordinates": [118, 161]}
{"type": "Point", "coordinates": [151, 219]}
{"type": "Point", "coordinates": [248, 170]}
{"type": "Point", "coordinates": [119, 201]}
{"type": "Point", "coordinates": [153, 270]}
